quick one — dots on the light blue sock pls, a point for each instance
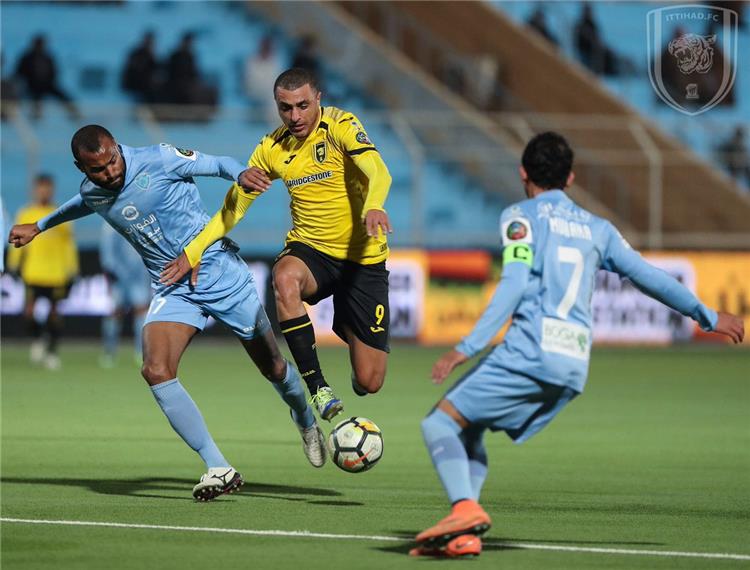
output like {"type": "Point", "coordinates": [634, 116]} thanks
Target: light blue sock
{"type": "Point", "coordinates": [186, 419]}
{"type": "Point", "coordinates": [473, 439]}
{"type": "Point", "coordinates": [110, 335]}
{"type": "Point", "coordinates": [441, 436]}
{"type": "Point", "coordinates": [293, 394]}
{"type": "Point", "coordinates": [138, 333]}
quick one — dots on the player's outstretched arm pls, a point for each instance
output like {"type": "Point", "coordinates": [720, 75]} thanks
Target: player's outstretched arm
{"type": "Point", "coordinates": [731, 326]}
{"type": "Point", "coordinates": [21, 234]}
{"type": "Point", "coordinates": [73, 209]}
{"type": "Point", "coordinates": [182, 163]}
{"type": "Point", "coordinates": [254, 179]}
{"type": "Point", "coordinates": [516, 269]}
{"type": "Point", "coordinates": [622, 259]}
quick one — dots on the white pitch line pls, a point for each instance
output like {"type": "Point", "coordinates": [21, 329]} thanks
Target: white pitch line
{"type": "Point", "coordinates": [377, 538]}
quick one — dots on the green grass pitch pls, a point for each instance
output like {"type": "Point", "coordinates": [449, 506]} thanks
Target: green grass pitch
{"type": "Point", "coordinates": [653, 457]}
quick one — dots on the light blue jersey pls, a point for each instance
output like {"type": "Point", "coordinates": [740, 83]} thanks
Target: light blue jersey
{"type": "Point", "coordinates": [158, 211]}
{"type": "Point", "coordinates": [131, 287]}
{"type": "Point", "coordinates": [552, 251]}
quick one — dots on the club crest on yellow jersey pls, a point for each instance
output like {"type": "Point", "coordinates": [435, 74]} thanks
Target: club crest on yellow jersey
{"type": "Point", "coordinates": [320, 152]}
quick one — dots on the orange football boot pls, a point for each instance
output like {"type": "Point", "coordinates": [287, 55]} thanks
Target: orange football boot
{"type": "Point", "coordinates": [461, 546]}
{"type": "Point", "coordinates": [466, 517]}
{"type": "Point", "coordinates": [425, 551]}
{"type": "Point", "coordinates": [464, 545]}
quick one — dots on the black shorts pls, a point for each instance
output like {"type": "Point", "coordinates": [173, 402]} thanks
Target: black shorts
{"type": "Point", "coordinates": [360, 293]}
{"type": "Point", "coordinates": [52, 293]}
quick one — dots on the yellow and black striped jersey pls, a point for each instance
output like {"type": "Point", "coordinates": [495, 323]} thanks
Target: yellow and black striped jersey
{"type": "Point", "coordinates": [51, 259]}
{"type": "Point", "coordinates": [328, 190]}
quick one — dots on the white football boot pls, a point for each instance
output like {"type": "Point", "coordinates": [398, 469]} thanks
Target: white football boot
{"type": "Point", "coordinates": [313, 444]}
{"type": "Point", "coordinates": [217, 481]}
{"type": "Point", "coordinates": [38, 351]}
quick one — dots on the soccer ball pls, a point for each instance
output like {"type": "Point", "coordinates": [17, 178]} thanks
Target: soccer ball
{"type": "Point", "coordinates": [356, 445]}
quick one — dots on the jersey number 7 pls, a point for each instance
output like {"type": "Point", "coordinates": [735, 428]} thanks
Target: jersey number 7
{"type": "Point", "coordinates": [574, 256]}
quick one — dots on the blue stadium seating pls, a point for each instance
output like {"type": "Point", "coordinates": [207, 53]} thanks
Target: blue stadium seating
{"type": "Point", "coordinates": [90, 52]}
{"type": "Point", "coordinates": [623, 25]}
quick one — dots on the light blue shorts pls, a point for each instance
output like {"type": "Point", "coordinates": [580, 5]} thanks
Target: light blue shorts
{"type": "Point", "coordinates": [225, 291]}
{"type": "Point", "coordinates": [501, 400]}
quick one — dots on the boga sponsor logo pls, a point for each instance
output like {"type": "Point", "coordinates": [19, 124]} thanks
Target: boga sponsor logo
{"type": "Point", "coordinates": [566, 338]}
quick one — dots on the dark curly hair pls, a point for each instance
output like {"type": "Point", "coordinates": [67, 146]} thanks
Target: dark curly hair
{"type": "Point", "coordinates": [548, 160]}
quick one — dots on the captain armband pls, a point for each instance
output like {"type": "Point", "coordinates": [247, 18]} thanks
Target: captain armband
{"type": "Point", "coordinates": [519, 252]}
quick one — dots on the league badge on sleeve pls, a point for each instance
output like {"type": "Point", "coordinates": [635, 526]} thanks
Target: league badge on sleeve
{"type": "Point", "coordinates": [362, 138]}
{"type": "Point", "coordinates": [185, 153]}
{"type": "Point", "coordinates": [516, 230]}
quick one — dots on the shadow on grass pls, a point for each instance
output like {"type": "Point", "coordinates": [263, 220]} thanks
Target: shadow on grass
{"type": "Point", "coordinates": [508, 541]}
{"type": "Point", "coordinates": [497, 544]}
{"type": "Point", "coordinates": [156, 487]}
{"type": "Point", "coordinates": [404, 548]}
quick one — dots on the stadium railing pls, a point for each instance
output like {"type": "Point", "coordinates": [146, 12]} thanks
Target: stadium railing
{"type": "Point", "coordinates": [697, 198]}
{"type": "Point", "coordinates": [453, 216]}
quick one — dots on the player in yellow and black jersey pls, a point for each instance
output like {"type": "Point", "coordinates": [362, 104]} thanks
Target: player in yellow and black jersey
{"type": "Point", "coordinates": [47, 268]}
{"type": "Point", "coordinates": [337, 246]}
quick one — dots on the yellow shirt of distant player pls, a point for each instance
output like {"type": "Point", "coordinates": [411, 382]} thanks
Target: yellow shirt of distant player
{"type": "Point", "coordinates": [51, 259]}
{"type": "Point", "coordinates": [328, 191]}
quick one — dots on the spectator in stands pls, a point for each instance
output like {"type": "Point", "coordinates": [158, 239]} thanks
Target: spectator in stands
{"type": "Point", "coordinates": [38, 71]}
{"type": "Point", "coordinates": [538, 22]}
{"type": "Point", "coordinates": [140, 73]}
{"type": "Point", "coordinates": [261, 71]}
{"type": "Point", "coordinates": [486, 86]}
{"type": "Point", "coordinates": [182, 72]}
{"type": "Point", "coordinates": [738, 7]}
{"type": "Point", "coordinates": [588, 42]}
{"type": "Point", "coordinates": [593, 51]}
{"type": "Point", "coordinates": [454, 77]}
{"type": "Point", "coordinates": [185, 86]}
{"type": "Point", "coordinates": [735, 156]}
{"type": "Point", "coordinates": [47, 268]}
{"type": "Point", "coordinates": [306, 55]}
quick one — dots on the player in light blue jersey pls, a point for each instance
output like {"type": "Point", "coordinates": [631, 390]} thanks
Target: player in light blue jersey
{"type": "Point", "coordinates": [552, 249]}
{"type": "Point", "coordinates": [130, 288]}
{"type": "Point", "coordinates": [149, 196]}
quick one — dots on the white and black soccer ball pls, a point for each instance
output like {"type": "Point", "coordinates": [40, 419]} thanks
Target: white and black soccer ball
{"type": "Point", "coordinates": [356, 445]}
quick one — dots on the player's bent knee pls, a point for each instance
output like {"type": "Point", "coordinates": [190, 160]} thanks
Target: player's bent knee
{"type": "Point", "coordinates": [437, 422]}
{"type": "Point", "coordinates": [370, 380]}
{"type": "Point", "coordinates": [156, 373]}
{"type": "Point", "coordinates": [427, 423]}
{"type": "Point", "coordinates": [277, 371]}
{"type": "Point", "coordinates": [286, 284]}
